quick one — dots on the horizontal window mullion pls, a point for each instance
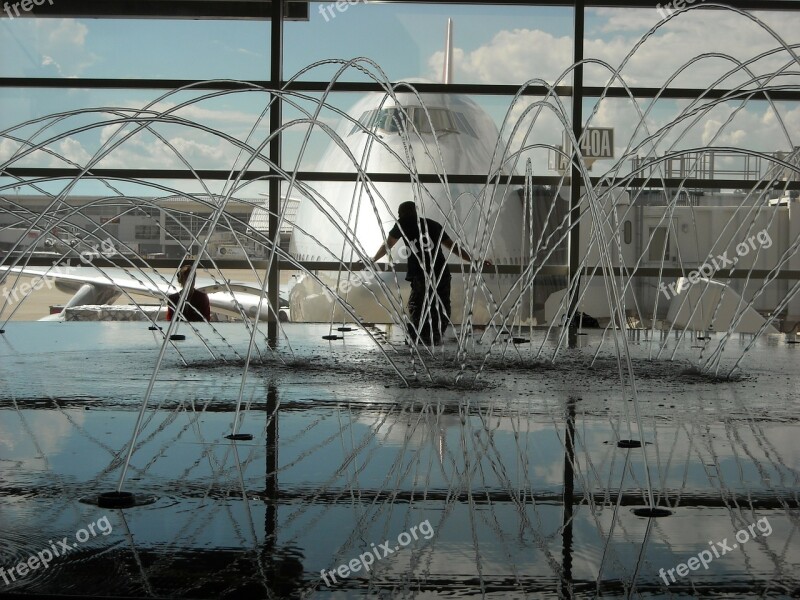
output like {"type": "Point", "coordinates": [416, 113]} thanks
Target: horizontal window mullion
{"type": "Point", "coordinates": [427, 178]}
{"type": "Point", "coordinates": [790, 93]}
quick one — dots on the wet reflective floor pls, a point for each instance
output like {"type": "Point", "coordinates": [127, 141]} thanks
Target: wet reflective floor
{"type": "Point", "coordinates": [493, 471]}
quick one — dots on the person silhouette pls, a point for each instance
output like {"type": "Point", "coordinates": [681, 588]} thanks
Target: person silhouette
{"type": "Point", "coordinates": [197, 307]}
{"type": "Point", "coordinates": [429, 303]}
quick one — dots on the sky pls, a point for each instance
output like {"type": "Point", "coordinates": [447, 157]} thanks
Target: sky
{"type": "Point", "coordinates": [493, 44]}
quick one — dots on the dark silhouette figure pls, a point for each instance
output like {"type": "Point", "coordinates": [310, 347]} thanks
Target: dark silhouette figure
{"type": "Point", "coordinates": [429, 304]}
{"type": "Point", "coordinates": [197, 307]}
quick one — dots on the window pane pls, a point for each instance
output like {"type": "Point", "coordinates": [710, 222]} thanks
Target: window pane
{"type": "Point", "coordinates": [134, 48]}
{"type": "Point", "coordinates": [136, 218]}
{"type": "Point", "coordinates": [212, 131]}
{"type": "Point", "coordinates": [496, 44]}
{"type": "Point", "coordinates": [613, 33]}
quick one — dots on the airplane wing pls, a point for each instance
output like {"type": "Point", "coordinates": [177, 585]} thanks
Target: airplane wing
{"type": "Point", "coordinates": [92, 286]}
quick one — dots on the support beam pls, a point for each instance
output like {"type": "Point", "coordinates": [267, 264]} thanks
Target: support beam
{"type": "Point", "coordinates": [275, 122]}
{"type": "Point", "coordinates": [575, 180]}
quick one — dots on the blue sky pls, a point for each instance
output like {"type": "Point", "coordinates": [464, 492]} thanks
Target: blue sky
{"type": "Point", "coordinates": [400, 38]}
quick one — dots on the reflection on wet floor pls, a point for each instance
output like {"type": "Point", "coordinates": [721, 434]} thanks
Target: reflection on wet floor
{"type": "Point", "coordinates": [515, 467]}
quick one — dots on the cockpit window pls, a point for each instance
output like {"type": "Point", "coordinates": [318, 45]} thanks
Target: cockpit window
{"type": "Point", "coordinates": [365, 121]}
{"type": "Point", "coordinates": [443, 121]}
{"type": "Point", "coordinates": [464, 125]}
{"type": "Point", "coordinates": [393, 120]}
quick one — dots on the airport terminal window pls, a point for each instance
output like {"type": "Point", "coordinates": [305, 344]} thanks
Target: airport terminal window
{"type": "Point", "coordinates": [232, 115]}
{"type": "Point", "coordinates": [406, 40]}
{"type": "Point", "coordinates": [629, 25]}
{"type": "Point", "coordinates": [134, 48]}
{"type": "Point", "coordinates": [236, 222]}
{"type": "Point", "coordinates": [179, 226]}
{"type": "Point", "coordinates": [495, 44]}
{"type": "Point", "coordinates": [720, 137]}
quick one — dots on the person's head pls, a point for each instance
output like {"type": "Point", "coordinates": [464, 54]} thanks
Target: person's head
{"type": "Point", "coordinates": [407, 210]}
{"type": "Point", "coordinates": [183, 275]}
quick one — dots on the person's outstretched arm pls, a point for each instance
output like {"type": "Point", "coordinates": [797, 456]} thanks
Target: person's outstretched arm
{"type": "Point", "coordinates": [390, 242]}
{"type": "Point", "coordinates": [461, 253]}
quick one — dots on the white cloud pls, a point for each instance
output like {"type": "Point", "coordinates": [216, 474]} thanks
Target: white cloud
{"type": "Point", "coordinates": [39, 158]}
{"type": "Point", "coordinates": [7, 149]}
{"type": "Point", "coordinates": [62, 43]}
{"type": "Point", "coordinates": [234, 50]}
{"type": "Point", "coordinates": [512, 57]}
{"type": "Point", "coordinates": [686, 37]}
{"type": "Point", "coordinates": [64, 32]}
{"type": "Point", "coordinates": [49, 430]}
{"type": "Point", "coordinates": [144, 151]}
{"type": "Point", "coordinates": [49, 61]}
{"type": "Point", "coordinates": [72, 150]}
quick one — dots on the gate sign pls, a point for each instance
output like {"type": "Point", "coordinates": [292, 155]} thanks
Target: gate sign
{"type": "Point", "coordinates": [597, 143]}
